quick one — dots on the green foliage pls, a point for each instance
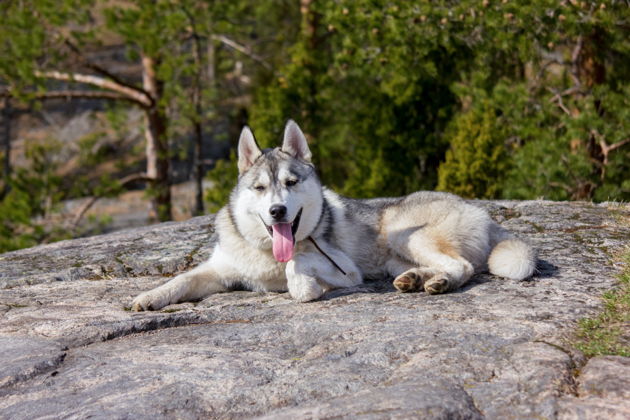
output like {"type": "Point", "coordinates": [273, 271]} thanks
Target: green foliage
{"type": "Point", "coordinates": [561, 156]}
{"type": "Point", "coordinates": [562, 93]}
{"type": "Point", "coordinates": [223, 177]}
{"type": "Point", "coordinates": [349, 85]}
{"type": "Point", "coordinates": [16, 228]}
{"type": "Point", "coordinates": [604, 334]}
{"type": "Point", "coordinates": [31, 211]}
{"type": "Point", "coordinates": [26, 38]}
{"type": "Point", "coordinates": [377, 83]}
{"type": "Point", "coordinates": [35, 192]}
{"type": "Point", "coordinates": [477, 160]}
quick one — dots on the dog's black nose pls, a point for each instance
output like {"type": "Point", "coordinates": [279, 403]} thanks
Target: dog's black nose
{"type": "Point", "coordinates": [278, 211]}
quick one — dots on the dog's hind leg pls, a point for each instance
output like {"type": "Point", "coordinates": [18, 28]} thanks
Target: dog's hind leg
{"type": "Point", "coordinates": [445, 274]}
{"type": "Point", "coordinates": [451, 273]}
{"type": "Point", "coordinates": [440, 270]}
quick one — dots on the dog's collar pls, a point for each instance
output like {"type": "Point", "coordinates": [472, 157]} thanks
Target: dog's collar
{"type": "Point", "coordinates": [310, 238]}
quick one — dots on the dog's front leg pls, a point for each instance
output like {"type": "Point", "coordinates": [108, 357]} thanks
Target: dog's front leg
{"type": "Point", "coordinates": [309, 274]}
{"type": "Point", "coordinates": [198, 283]}
{"type": "Point", "coordinates": [302, 286]}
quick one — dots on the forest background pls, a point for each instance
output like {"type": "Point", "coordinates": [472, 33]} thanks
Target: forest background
{"type": "Point", "coordinates": [484, 98]}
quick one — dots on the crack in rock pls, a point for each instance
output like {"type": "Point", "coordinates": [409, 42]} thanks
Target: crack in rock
{"type": "Point", "coordinates": [25, 358]}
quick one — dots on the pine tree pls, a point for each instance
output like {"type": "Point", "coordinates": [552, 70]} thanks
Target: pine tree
{"type": "Point", "coordinates": [477, 159]}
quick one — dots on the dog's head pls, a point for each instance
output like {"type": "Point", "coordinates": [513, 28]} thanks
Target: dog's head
{"type": "Point", "coordinates": [278, 200]}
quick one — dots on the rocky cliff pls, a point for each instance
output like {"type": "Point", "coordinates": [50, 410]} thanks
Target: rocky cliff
{"type": "Point", "coordinates": [69, 347]}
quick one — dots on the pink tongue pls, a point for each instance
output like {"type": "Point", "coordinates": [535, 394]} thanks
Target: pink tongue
{"type": "Point", "coordinates": [282, 242]}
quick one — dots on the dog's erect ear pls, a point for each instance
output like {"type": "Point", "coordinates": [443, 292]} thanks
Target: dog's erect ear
{"type": "Point", "coordinates": [295, 143]}
{"type": "Point", "coordinates": [248, 150]}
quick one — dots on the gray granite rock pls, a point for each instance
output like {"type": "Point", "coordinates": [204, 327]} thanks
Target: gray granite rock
{"type": "Point", "coordinates": [606, 377]}
{"type": "Point", "coordinates": [603, 391]}
{"type": "Point", "coordinates": [69, 348]}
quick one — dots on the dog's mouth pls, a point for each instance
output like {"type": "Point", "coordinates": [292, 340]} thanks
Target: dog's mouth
{"type": "Point", "coordinates": [283, 238]}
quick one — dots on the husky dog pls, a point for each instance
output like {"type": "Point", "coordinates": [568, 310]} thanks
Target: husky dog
{"type": "Point", "coordinates": [283, 231]}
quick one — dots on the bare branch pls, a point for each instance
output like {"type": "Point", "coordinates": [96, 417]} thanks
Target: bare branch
{"type": "Point", "coordinates": [134, 177]}
{"type": "Point", "coordinates": [75, 94]}
{"type": "Point", "coordinates": [570, 91]}
{"type": "Point", "coordinates": [562, 107]}
{"type": "Point", "coordinates": [82, 210]}
{"type": "Point", "coordinates": [618, 144]}
{"type": "Point", "coordinates": [99, 69]}
{"type": "Point", "coordinates": [575, 57]}
{"type": "Point", "coordinates": [139, 97]}
{"type": "Point", "coordinates": [83, 94]}
{"type": "Point", "coordinates": [560, 185]}
{"type": "Point", "coordinates": [607, 148]}
{"type": "Point", "coordinates": [92, 200]}
{"type": "Point", "coordinates": [558, 99]}
{"type": "Point", "coordinates": [242, 49]}
{"type": "Point", "coordinates": [239, 101]}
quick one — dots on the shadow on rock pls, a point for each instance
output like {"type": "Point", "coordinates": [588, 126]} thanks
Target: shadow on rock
{"type": "Point", "coordinates": [371, 286]}
{"type": "Point", "coordinates": [545, 269]}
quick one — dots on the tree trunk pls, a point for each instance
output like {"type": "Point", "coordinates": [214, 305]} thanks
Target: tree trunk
{"type": "Point", "coordinates": [156, 145]}
{"type": "Point", "coordinates": [198, 170]}
{"type": "Point", "coordinates": [6, 145]}
{"type": "Point", "coordinates": [592, 72]}
{"type": "Point", "coordinates": [312, 64]}
{"type": "Point", "coordinates": [309, 34]}
{"type": "Point", "coordinates": [198, 120]}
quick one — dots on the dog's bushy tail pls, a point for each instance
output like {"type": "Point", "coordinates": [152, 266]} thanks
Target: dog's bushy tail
{"type": "Point", "coordinates": [513, 259]}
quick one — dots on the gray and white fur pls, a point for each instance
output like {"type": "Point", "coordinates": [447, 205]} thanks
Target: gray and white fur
{"type": "Point", "coordinates": [426, 241]}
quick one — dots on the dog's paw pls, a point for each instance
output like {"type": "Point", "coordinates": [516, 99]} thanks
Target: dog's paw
{"type": "Point", "coordinates": [408, 282]}
{"type": "Point", "coordinates": [149, 301]}
{"type": "Point", "coordinates": [413, 280]}
{"type": "Point", "coordinates": [437, 284]}
{"type": "Point", "coordinates": [308, 292]}
{"type": "Point", "coordinates": [305, 289]}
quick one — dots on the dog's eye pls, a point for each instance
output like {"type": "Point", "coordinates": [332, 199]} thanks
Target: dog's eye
{"type": "Point", "coordinates": [290, 182]}
{"type": "Point", "coordinates": [259, 188]}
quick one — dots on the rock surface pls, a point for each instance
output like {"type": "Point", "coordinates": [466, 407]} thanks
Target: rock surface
{"type": "Point", "coordinates": [494, 349]}
{"type": "Point", "coordinates": [603, 390]}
